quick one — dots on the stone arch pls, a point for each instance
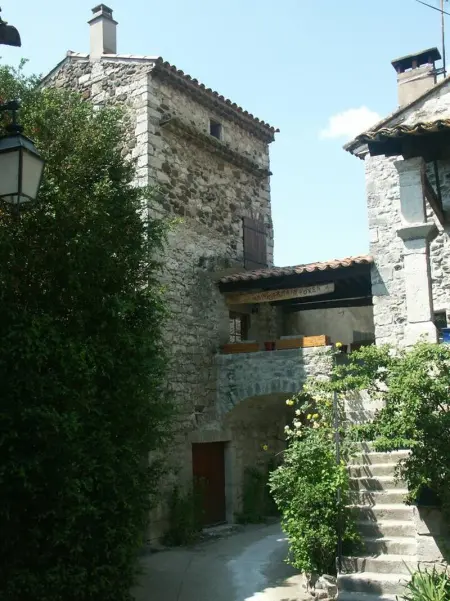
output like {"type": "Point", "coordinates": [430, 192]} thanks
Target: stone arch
{"type": "Point", "coordinates": [285, 387]}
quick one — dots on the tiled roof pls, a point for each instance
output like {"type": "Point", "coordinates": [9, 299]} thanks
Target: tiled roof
{"type": "Point", "coordinates": [273, 272]}
{"type": "Point", "coordinates": [189, 84]}
{"type": "Point", "coordinates": [399, 131]}
{"type": "Point", "coordinates": [357, 147]}
{"type": "Point", "coordinates": [163, 65]}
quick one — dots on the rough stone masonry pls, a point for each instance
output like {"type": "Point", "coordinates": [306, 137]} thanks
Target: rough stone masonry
{"type": "Point", "coordinates": [209, 180]}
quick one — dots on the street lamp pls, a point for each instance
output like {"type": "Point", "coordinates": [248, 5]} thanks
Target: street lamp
{"type": "Point", "coordinates": [21, 166]}
{"type": "Point", "coordinates": [8, 34]}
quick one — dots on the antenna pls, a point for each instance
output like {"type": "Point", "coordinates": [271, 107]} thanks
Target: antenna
{"type": "Point", "coordinates": [443, 12]}
{"type": "Point", "coordinates": [443, 38]}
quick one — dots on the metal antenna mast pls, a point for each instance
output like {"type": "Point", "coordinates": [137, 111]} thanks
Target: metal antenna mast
{"type": "Point", "coordinates": [443, 38]}
{"type": "Point", "coordinates": [443, 12]}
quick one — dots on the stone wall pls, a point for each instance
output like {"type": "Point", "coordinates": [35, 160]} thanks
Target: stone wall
{"type": "Point", "coordinates": [346, 325]}
{"type": "Point", "coordinates": [251, 392]}
{"type": "Point", "coordinates": [383, 199]}
{"type": "Point", "coordinates": [247, 375]}
{"type": "Point", "coordinates": [433, 537]}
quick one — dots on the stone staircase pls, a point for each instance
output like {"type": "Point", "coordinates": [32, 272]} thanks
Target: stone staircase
{"type": "Point", "coordinates": [380, 570]}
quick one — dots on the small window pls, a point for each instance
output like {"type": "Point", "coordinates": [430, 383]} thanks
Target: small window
{"type": "Point", "coordinates": [215, 129]}
{"type": "Point", "coordinates": [440, 321]}
{"type": "Point", "coordinates": [239, 326]}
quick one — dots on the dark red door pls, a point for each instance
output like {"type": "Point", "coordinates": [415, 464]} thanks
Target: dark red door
{"type": "Point", "coordinates": [208, 465]}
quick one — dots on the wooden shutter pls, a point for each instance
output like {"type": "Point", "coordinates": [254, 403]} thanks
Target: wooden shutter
{"type": "Point", "coordinates": [255, 249]}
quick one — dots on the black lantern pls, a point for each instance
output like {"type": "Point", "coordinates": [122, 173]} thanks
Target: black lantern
{"type": "Point", "coordinates": [8, 34]}
{"type": "Point", "coordinates": [21, 166]}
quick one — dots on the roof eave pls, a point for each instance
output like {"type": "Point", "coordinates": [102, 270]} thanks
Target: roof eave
{"type": "Point", "coordinates": [355, 145]}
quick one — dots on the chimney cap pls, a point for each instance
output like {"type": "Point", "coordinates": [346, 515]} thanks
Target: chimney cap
{"type": "Point", "coordinates": [413, 61]}
{"type": "Point", "coordinates": [102, 10]}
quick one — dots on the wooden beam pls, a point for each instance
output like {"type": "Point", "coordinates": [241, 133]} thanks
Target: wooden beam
{"type": "Point", "coordinates": [365, 301]}
{"type": "Point", "coordinates": [343, 291]}
{"type": "Point", "coordinates": [434, 201]}
{"type": "Point", "coordinates": [267, 296]}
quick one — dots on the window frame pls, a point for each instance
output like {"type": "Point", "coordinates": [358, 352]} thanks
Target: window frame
{"type": "Point", "coordinates": [213, 123]}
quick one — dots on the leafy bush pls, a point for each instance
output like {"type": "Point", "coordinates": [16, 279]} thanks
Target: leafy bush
{"type": "Point", "coordinates": [428, 586]}
{"type": "Point", "coordinates": [414, 386]}
{"type": "Point", "coordinates": [81, 360]}
{"type": "Point", "coordinates": [257, 502]}
{"type": "Point", "coordinates": [306, 485]}
{"type": "Point", "coordinates": [185, 517]}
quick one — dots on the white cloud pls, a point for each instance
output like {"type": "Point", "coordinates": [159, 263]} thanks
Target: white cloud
{"type": "Point", "coordinates": [350, 123]}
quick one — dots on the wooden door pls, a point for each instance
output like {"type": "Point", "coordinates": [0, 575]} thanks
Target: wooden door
{"type": "Point", "coordinates": [208, 466]}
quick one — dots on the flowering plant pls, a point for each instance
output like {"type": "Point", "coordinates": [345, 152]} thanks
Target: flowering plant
{"type": "Point", "coordinates": [305, 487]}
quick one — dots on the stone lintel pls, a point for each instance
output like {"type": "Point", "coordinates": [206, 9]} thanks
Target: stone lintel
{"type": "Point", "coordinates": [424, 231]}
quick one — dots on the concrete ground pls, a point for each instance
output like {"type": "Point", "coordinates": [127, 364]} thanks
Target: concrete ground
{"type": "Point", "coordinates": [245, 566]}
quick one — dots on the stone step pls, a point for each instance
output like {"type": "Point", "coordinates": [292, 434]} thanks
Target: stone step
{"type": "Point", "coordinates": [378, 497]}
{"type": "Point", "coordinates": [386, 512]}
{"type": "Point", "coordinates": [362, 402]}
{"type": "Point", "coordinates": [373, 583]}
{"type": "Point", "coordinates": [352, 596]}
{"type": "Point", "coordinates": [359, 417]}
{"type": "Point", "coordinates": [375, 484]}
{"type": "Point", "coordinates": [388, 528]}
{"type": "Point", "coordinates": [373, 470]}
{"type": "Point", "coordinates": [364, 447]}
{"type": "Point", "coordinates": [381, 564]}
{"type": "Point", "coordinates": [375, 457]}
{"type": "Point", "coordinates": [389, 545]}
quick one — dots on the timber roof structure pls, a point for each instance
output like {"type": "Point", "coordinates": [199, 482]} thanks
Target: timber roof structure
{"type": "Point", "coordinates": [350, 279]}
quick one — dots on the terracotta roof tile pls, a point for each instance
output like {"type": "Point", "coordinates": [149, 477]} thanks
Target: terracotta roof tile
{"type": "Point", "coordinates": [173, 70]}
{"type": "Point", "coordinates": [399, 131]}
{"type": "Point", "coordinates": [271, 272]}
{"type": "Point", "coordinates": [164, 67]}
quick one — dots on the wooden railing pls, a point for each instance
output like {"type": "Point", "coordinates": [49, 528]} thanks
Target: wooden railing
{"type": "Point", "coordinates": [278, 345]}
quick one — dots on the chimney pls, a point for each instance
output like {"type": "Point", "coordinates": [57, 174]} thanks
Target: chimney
{"type": "Point", "coordinates": [416, 74]}
{"type": "Point", "coordinates": [103, 32]}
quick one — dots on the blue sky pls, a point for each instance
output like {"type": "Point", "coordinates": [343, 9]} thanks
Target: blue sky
{"type": "Point", "coordinates": [301, 65]}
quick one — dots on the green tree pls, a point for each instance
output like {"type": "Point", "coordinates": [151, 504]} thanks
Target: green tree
{"type": "Point", "coordinates": [82, 399]}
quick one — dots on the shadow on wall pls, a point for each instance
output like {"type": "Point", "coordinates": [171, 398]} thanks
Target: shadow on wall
{"type": "Point", "coordinates": [378, 278]}
{"type": "Point", "coordinates": [433, 534]}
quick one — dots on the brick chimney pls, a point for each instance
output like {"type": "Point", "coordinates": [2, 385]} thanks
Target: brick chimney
{"type": "Point", "coordinates": [103, 32]}
{"type": "Point", "coordinates": [416, 73]}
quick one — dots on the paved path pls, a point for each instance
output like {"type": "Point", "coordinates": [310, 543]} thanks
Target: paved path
{"type": "Point", "coordinates": [246, 566]}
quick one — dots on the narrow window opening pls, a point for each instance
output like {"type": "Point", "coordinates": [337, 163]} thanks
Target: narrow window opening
{"type": "Point", "coordinates": [215, 129]}
{"type": "Point", "coordinates": [440, 321]}
{"type": "Point", "coordinates": [239, 326]}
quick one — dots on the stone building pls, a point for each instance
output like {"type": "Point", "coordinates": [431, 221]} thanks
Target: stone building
{"type": "Point", "coordinates": [209, 159]}
{"type": "Point", "coordinates": [407, 163]}
{"type": "Point", "coordinates": [408, 196]}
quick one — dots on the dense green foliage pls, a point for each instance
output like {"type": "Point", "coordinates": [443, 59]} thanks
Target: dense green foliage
{"type": "Point", "coordinates": [428, 585]}
{"type": "Point", "coordinates": [414, 386]}
{"type": "Point", "coordinates": [185, 517]}
{"type": "Point", "coordinates": [305, 486]}
{"type": "Point", "coordinates": [81, 360]}
{"type": "Point", "coordinates": [257, 501]}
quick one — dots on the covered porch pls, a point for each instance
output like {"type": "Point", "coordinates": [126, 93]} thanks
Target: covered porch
{"type": "Point", "coordinates": [304, 306]}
